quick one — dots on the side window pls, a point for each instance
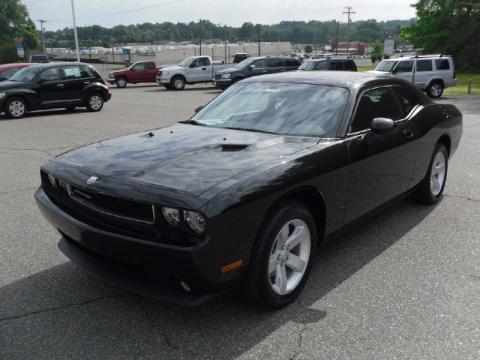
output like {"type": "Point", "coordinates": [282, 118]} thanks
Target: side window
{"type": "Point", "coordinates": [407, 100]}
{"type": "Point", "coordinates": [7, 73]}
{"type": "Point", "coordinates": [442, 64]}
{"type": "Point", "coordinates": [375, 103]}
{"type": "Point", "coordinates": [349, 65]}
{"type": "Point", "coordinates": [424, 65]}
{"type": "Point", "coordinates": [50, 74]}
{"type": "Point", "coordinates": [203, 61]}
{"type": "Point", "coordinates": [71, 72]}
{"type": "Point", "coordinates": [260, 64]}
{"type": "Point", "coordinates": [150, 66]}
{"type": "Point", "coordinates": [273, 63]}
{"type": "Point", "coordinates": [291, 63]}
{"type": "Point", "coordinates": [87, 72]}
{"type": "Point", "coordinates": [139, 67]}
{"type": "Point", "coordinates": [404, 67]}
{"type": "Point", "coordinates": [321, 65]}
{"type": "Point", "coordinates": [335, 65]}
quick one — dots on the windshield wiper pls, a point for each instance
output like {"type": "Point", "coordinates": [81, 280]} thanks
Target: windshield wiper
{"type": "Point", "coordinates": [193, 122]}
{"type": "Point", "coordinates": [252, 130]}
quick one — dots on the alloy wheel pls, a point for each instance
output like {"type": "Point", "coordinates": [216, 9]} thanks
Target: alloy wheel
{"type": "Point", "coordinates": [95, 102]}
{"type": "Point", "coordinates": [289, 257]}
{"type": "Point", "coordinates": [437, 174]}
{"type": "Point", "coordinates": [436, 90]}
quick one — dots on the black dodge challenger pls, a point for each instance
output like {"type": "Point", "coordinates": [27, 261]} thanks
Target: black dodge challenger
{"type": "Point", "coordinates": [241, 195]}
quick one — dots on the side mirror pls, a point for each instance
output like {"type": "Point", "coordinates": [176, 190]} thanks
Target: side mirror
{"type": "Point", "coordinates": [198, 109]}
{"type": "Point", "coordinates": [382, 125]}
{"type": "Point", "coordinates": [252, 67]}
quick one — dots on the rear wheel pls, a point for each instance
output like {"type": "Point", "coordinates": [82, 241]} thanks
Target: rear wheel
{"type": "Point", "coordinates": [178, 83]}
{"type": "Point", "coordinates": [15, 108]}
{"type": "Point", "coordinates": [94, 102]}
{"type": "Point", "coordinates": [435, 89]}
{"type": "Point", "coordinates": [431, 188]}
{"type": "Point", "coordinates": [282, 258]}
{"type": "Point", "coordinates": [121, 82]}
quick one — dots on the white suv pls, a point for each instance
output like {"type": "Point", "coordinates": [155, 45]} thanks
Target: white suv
{"type": "Point", "coordinates": [431, 73]}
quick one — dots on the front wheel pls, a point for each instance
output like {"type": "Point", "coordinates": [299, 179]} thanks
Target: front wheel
{"type": "Point", "coordinates": [121, 82]}
{"type": "Point", "coordinates": [431, 188]}
{"type": "Point", "coordinates": [178, 83]}
{"type": "Point", "coordinates": [282, 258]}
{"type": "Point", "coordinates": [94, 102]}
{"type": "Point", "coordinates": [15, 108]}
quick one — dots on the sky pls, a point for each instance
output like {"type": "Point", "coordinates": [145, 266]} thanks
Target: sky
{"type": "Point", "coordinates": [108, 13]}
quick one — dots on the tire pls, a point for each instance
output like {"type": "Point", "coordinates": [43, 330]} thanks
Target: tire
{"type": "Point", "coordinates": [94, 102]}
{"type": "Point", "coordinates": [178, 83]}
{"type": "Point", "coordinates": [431, 188]}
{"type": "Point", "coordinates": [15, 108]}
{"type": "Point", "coordinates": [271, 263]}
{"type": "Point", "coordinates": [435, 89]}
{"type": "Point", "coordinates": [121, 82]}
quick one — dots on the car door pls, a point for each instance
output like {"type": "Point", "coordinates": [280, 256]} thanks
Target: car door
{"type": "Point", "coordinates": [381, 165]}
{"type": "Point", "coordinates": [335, 65]}
{"type": "Point", "coordinates": [75, 78]}
{"type": "Point", "coordinates": [259, 68]}
{"type": "Point", "coordinates": [404, 70]}
{"type": "Point", "coordinates": [200, 70]}
{"type": "Point", "coordinates": [50, 88]}
{"type": "Point", "coordinates": [150, 72]}
{"type": "Point", "coordinates": [137, 73]}
{"type": "Point", "coordinates": [423, 72]}
{"type": "Point", "coordinates": [275, 65]}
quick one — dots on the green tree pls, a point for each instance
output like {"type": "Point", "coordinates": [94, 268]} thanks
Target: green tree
{"type": "Point", "coordinates": [447, 27]}
{"type": "Point", "coordinates": [308, 49]}
{"type": "Point", "coordinates": [15, 22]}
{"type": "Point", "coordinates": [377, 52]}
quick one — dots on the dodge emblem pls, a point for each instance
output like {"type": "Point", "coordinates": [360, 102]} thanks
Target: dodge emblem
{"type": "Point", "coordinates": [91, 180]}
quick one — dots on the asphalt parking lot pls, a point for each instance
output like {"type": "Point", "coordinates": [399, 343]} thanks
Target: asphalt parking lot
{"type": "Point", "coordinates": [405, 286]}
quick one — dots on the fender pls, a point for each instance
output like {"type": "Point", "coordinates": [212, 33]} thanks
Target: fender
{"type": "Point", "coordinates": [434, 78]}
{"type": "Point", "coordinates": [97, 86]}
{"type": "Point", "coordinates": [31, 96]}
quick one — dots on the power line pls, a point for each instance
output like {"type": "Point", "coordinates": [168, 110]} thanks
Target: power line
{"type": "Point", "coordinates": [120, 12]}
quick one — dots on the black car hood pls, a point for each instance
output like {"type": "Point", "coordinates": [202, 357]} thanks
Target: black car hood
{"type": "Point", "coordinates": [229, 70]}
{"type": "Point", "coordinates": [184, 157]}
{"type": "Point", "coordinates": [7, 85]}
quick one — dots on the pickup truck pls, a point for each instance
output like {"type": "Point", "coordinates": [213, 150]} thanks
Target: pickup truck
{"type": "Point", "coordinates": [140, 72]}
{"type": "Point", "coordinates": [192, 70]}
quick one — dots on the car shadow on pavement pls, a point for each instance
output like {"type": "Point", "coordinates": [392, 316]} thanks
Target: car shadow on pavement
{"type": "Point", "coordinates": [44, 113]}
{"type": "Point", "coordinates": [62, 311]}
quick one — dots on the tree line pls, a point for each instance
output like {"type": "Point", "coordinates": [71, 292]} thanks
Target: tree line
{"type": "Point", "coordinates": [311, 32]}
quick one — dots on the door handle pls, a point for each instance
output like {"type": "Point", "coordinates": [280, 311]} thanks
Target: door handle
{"type": "Point", "coordinates": [408, 133]}
{"type": "Point", "coordinates": [86, 82]}
{"type": "Point", "coordinates": [204, 68]}
{"type": "Point", "coordinates": [60, 85]}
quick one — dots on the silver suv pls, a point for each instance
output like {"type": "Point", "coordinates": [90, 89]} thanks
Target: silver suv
{"type": "Point", "coordinates": [431, 73]}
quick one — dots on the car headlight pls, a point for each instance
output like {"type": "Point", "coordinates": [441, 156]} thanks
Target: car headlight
{"type": "Point", "coordinates": [52, 180]}
{"type": "Point", "coordinates": [195, 221]}
{"type": "Point", "coordinates": [171, 215]}
{"type": "Point", "coordinates": [2, 95]}
{"type": "Point", "coordinates": [226, 76]}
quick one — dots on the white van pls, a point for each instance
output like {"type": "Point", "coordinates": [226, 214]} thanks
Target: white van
{"type": "Point", "coordinates": [431, 73]}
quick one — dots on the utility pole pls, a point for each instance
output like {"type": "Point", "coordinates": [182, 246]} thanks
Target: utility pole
{"type": "Point", "coordinates": [259, 39]}
{"type": "Point", "coordinates": [42, 29]}
{"type": "Point", "coordinates": [336, 41]}
{"type": "Point", "coordinates": [225, 41]}
{"type": "Point", "coordinates": [315, 39]}
{"type": "Point", "coordinates": [200, 40]}
{"type": "Point", "coordinates": [75, 31]}
{"type": "Point", "coordinates": [349, 12]}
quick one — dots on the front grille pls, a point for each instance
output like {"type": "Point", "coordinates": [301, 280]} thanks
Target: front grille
{"type": "Point", "coordinates": [112, 206]}
{"type": "Point", "coordinates": [218, 76]}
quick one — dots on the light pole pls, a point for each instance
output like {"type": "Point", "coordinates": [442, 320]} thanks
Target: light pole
{"type": "Point", "coordinates": [75, 31]}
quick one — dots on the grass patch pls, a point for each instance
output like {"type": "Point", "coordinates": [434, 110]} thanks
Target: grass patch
{"type": "Point", "coordinates": [462, 82]}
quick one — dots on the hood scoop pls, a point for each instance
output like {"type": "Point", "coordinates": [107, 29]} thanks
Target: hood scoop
{"type": "Point", "coordinates": [234, 147]}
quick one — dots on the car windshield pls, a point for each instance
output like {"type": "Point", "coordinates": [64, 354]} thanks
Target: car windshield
{"type": "Point", "coordinates": [245, 63]}
{"type": "Point", "coordinates": [308, 65]}
{"type": "Point", "coordinates": [386, 66]}
{"type": "Point", "coordinates": [25, 74]}
{"type": "Point", "coordinates": [186, 62]}
{"type": "Point", "coordinates": [280, 108]}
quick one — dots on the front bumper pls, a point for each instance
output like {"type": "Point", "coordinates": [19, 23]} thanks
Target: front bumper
{"type": "Point", "coordinates": [222, 83]}
{"type": "Point", "coordinates": [164, 80]}
{"type": "Point", "coordinates": [153, 269]}
{"type": "Point", "coordinates": [111, 81]}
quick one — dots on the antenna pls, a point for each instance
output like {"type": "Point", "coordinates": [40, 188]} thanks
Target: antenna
{"type": "Point", "coordinates": [349, 12]}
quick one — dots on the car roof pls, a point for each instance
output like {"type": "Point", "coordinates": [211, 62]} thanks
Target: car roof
{"type": "Point", "coordinates": [348, 79]}
{"type": "Point", "coordinates": [53, 64]}
{"type": "Point", "coordinates": [330, 58]}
